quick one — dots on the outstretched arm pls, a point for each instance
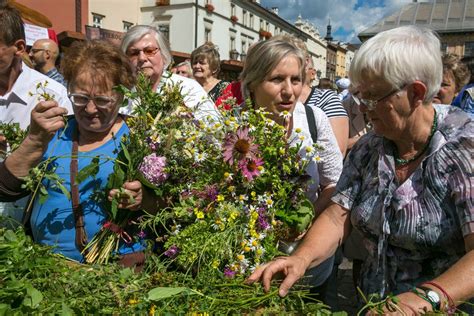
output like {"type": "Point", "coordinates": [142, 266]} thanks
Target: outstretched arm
{"type": "Point", "coordinates": [319, 243]}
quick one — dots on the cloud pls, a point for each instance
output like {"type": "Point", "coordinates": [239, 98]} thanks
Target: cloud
{"type": "Point", "coordinates": [348, 17]}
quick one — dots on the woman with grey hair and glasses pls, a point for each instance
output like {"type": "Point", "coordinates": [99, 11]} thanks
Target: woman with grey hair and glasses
{"type": "Point", "coordinates": [406, 185]}
{"type": "Point", "coordinates": [149, 53]}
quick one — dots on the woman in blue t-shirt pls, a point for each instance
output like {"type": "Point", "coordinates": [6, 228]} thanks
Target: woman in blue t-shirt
{"type": "Point", "coordinates": [92, 70]}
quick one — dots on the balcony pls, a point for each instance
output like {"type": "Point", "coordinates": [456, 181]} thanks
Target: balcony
{"type": "Point", "coordinates": [160, 3]}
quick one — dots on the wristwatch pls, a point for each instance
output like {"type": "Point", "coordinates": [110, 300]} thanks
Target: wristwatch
{"type": "Point", "coordinates": [433, 297]}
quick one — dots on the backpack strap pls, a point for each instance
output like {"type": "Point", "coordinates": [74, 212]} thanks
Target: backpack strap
{"type": "Point", "coordinates": [311, 123]}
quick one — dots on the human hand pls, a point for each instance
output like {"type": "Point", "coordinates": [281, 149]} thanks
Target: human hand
{"type": "Point", "coordinates": [292, 267]}
{"type": "Point", "coordinates": [408, 303]}
{"type": "Point", "coordinates": [47, 117]}
{"type": "Point", "coordinates": [130, 196]}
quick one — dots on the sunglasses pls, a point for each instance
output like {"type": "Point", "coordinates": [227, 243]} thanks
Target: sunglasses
{"type": "Point", "coordinates": [100, 101]}
{"type": "Point", "coordinates": [148, 51]}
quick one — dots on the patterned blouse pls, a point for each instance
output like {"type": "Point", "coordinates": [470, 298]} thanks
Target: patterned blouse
{"type": "Point", "coordinates": [413, 231]}
{"type": "Point", "coordinates": [217, 90]}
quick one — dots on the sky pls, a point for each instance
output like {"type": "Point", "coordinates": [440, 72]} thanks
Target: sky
{"type": "Point", "coordinates": [348, 17]}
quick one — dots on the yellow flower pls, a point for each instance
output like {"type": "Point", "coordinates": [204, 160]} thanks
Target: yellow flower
{"type": "Point", "coordinates": [247, 248]}
{"type": "Point", "coordinates": [253, 194]}
{"type": "Point", "coordinates": [227, 122]}
{"type": "Point", "coordinates": [151, 312]}
{"type": "Point", "coordinates": [297, 130]}
{"type": "Point", "coordinates": [301, 137]}
{"type": "Point", "coordinates": [231, 188]}
{"type": "Point", "coordinates": [215, 264]}
{"type": "Point", "coordinates": [220, 198]}
{"type": "Point", "coordinates": [240, 257]}
{"type": "Point", "coordinates": [282, 151]}
{"type": "Point", "coordinates": [199, 214]}
{"type": "Point", "coordinates": [260, 168]}
{"type": "Point", "coordinates": [255, 243]}
{"type": "Point", "coordinates": [132, 301]}
{"type": "Point", "coordinates": [233, 215]}
{"type": "Point", "coordinates": [259, 252]}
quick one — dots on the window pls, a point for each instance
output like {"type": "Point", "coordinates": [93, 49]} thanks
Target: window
{"type": "Point", "coordinates": [232, 43]}
{"type": "Point", "coordinates": [261, 24]}
{"type": "Point", "coordinates": [251, 21]}
{"type": "Point", "coordinates": [207, 35]}
{"type": "Point", "coordinates": [232, 9]}
{"type": "Point", "coordinates": [127, 26]}
{"type": "Point", "coordinates": [267, 26]}
{"type": "Point", "coordinates": [165, 30]}
{"type": "Point", "coordinates": [244, 17]}
{"type": "Point", "coordinates": [244, 46]}
{"type": "Point", "coordinates": [469, 49]}
{"type": "Point", "coordinates": [97, 19]}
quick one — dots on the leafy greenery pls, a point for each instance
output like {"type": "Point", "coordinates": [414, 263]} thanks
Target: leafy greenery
{"type": "Point", "coordinates": [35, 281]}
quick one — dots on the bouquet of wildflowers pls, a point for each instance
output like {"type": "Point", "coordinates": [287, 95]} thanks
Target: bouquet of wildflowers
{"type": "Point", "coordinates": [136, 147]}
{"type": "Point", "coordinates": [232, 187]}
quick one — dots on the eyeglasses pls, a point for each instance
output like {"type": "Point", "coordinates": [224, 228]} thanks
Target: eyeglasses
{"type": "Point", "coordinates": [35, 50]}
{"type": "Point", "coordinates": [100, 101]}
{"type": "Point", "coordinates": [371, 104]}
{"type": "Point", "coordinates": [148, 51]}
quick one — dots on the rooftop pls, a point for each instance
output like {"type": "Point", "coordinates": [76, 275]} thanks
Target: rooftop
{"type": "Point", "coordinates": [443, 16]}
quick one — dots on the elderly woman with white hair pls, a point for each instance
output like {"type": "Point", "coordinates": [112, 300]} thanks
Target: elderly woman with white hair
{"type": "Point", "coordinates": [406, 186]}
{"type": "Point", "coordinates": [149, 53]}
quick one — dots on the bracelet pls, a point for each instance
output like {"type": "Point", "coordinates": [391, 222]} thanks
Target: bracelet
{"type": "Point", "coordinates": [451, 308]}
{"type": "Point", "coordinates": [421, 295]}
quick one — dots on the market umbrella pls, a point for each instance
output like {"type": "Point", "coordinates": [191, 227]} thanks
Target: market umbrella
{"type": "Point", "coordinates": [31, 15]}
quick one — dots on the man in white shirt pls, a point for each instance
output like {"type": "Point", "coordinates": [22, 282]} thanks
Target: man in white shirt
{"type": "Point", "coordinates": [149, 53]}
{"type": "Point", "coordinates": [20, 85]}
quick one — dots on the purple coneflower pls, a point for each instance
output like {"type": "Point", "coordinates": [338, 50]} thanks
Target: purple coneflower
{"type": "Point", "coordinates": [153, 167]}
{"type": "Point", "coordinates": [239, 146]}
{"type": "Point", "coordinates": [249, 168]}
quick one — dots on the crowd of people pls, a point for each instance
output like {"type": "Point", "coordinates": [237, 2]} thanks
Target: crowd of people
{"type": "Point", "coordinates": [393, 186]}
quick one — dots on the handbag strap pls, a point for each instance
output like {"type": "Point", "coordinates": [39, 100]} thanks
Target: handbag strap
{"type": "Point", "coordinates": [81, 236]}
{"type": "Point", "coordinates": [311, 123]}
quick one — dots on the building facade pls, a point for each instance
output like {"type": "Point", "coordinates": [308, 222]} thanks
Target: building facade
{"type": "Point", "coordinates": [453, 20]}
{"type": "Point", "coordinates": [317, 46]}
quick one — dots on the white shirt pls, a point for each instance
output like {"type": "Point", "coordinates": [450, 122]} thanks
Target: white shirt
{"type": "Point", "coordinates": [327, 170]}
{"type": "Point", "coordinates": [17, 104]}
{"type": "Point", "coordinates": [194, 96]}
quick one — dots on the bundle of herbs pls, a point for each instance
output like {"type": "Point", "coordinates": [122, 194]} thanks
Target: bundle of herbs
{"type": "Point", "coordinates": [33, 280]}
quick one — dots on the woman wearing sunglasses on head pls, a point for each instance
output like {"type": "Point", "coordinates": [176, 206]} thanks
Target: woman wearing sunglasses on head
{"type": "Point", "coordinates": [92, 70]}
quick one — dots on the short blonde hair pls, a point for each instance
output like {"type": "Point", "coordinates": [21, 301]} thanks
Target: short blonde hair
{"type": "Point", "coordinates": [263, 57]}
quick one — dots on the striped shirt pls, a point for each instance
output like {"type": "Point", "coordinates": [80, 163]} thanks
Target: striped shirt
{"type": "Point", "coordinates": [56, 75]}
{"type": "Point", "coordinates": [413, 231]}
{"type": "Point", "coordinates": [326, 100]}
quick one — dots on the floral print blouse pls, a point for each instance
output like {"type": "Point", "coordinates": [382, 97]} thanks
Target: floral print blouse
{"type": "Point", "coordinates": [413, 231]}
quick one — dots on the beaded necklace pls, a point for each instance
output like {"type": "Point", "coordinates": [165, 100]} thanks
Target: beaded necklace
{"type": "Point", "coordinates": [401, 162]}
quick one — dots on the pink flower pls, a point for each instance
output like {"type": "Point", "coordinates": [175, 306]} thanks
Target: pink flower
{"type": "Point", "coordinates": [228, 273]}
{"type": "Point", "coordinates": [249, 168]}
{"type": "Point", "coordinates": [153, 169]}
{"type": "Point", "coordinates": [239, 146]}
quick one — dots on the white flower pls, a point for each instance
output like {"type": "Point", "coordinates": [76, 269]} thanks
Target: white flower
{"type": "Point", "coordinates": [285, 114]}
{"type": "Point", "coordinates": [200, 157]}
{"type": "Point", "coordinates": [309, 149]}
